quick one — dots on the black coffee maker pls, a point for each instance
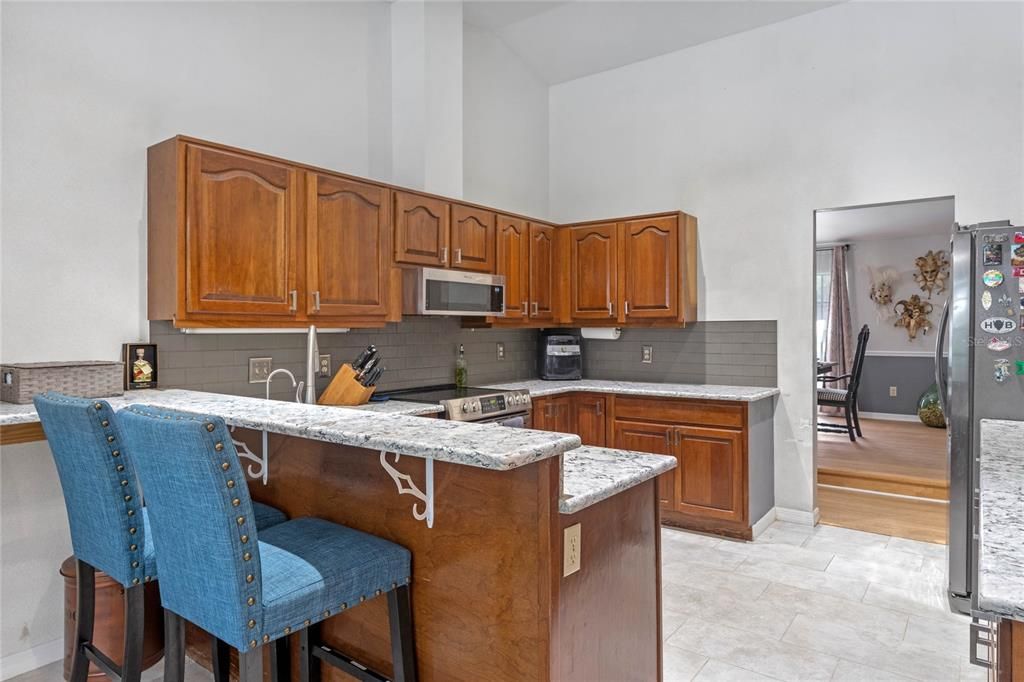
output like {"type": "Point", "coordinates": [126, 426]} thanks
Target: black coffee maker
{"type": "Point", "coordinates": [559, 355]}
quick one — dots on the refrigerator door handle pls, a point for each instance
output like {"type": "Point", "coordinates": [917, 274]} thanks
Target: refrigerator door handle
{"type": "Point", "coordinates": [941, 380]}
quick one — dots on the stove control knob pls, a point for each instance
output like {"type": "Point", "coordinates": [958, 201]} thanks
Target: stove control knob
{"type": "Point", "coordinates": [476, 407]}
{"type": "Point", "coordinates": [465, 407]}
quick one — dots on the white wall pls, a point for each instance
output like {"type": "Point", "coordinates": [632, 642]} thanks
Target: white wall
{"type": "Point", "coordinates": [898, 254]}
{"type": "Point", "coordinates": [86, 88]}
{"type": "Point", "coordinates": [858, 103]}
{"type": "Point", "coordinates": [505, 119]}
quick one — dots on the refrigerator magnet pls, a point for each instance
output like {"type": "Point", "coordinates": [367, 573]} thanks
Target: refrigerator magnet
{"type": "Point", "coordinates": [1018, 272]}
{"type": "Point", "coordinates": [1002, 370]}
{"type": "Point", "coordinates": [1017, 255]}
{"type": "Point", "coordinates": [1018, 237]}
{"type": "Point", "coordinates": [1006, 302]}
{"type": "Point", "coordinates": [1020, 368]}
{"type": "Point", "coordinates": [998, 325]}
{"type": "Point", "coordinates": [993, 278]}
{"type": "Point", "coordinates": [997, 345]}
{"type": "Point", "coordinates": [992, 254]}
{"type": "Point", "coordinates": [986, 299]}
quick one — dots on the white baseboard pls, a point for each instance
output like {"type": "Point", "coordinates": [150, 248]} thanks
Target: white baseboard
{"type": "Point", "coordinates": [804, 518]}
{"type": "Point", "coordinates": [30, 659]}
{"type": "Point", "coordinates": [890, 416]}
{"type": "Point", "coordinates": [761, 525]}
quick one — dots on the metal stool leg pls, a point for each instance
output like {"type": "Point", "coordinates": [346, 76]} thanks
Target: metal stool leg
{"type": "Point", "coordinates": [85, 616]}
{"type": "Point", "coordinates": [309, 664]}
{"type": "Point", "coordinates": [403, 645]}
{"type": "Point", "coordinates": [174, 647]}
{"type": "Point", "coordinates": [134, 629]}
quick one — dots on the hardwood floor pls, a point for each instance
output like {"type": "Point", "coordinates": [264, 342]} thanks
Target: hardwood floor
{"type": "Point", "coordinates": [916, 519]}
{"type": "Point", "coordinates": [906, 458]}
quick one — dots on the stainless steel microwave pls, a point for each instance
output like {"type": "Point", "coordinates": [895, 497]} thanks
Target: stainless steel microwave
{"type": "Point", "coordinates": [433, 291]}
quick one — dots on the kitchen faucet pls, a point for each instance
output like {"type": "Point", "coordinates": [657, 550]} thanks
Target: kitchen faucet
{"type": "Point", "coordinates": [312, 365]}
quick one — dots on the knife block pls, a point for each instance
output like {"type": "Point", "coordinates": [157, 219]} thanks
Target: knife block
{"type": "Point", "coordinates": [345, 390]}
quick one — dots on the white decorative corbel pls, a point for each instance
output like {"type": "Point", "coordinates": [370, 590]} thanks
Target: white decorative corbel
{"type": "Point", "coordinates": [406, 486]}
{"type": "Point", "coordinates": [244, 452]}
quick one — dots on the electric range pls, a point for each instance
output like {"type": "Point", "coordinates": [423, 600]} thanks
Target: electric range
{"type": "Point", "coordinates": [472, 404]}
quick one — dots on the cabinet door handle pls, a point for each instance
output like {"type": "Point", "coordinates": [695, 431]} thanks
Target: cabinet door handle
{"type": "Point", "coordinates": [534, 309]}
{"type": "Point", "coordinates": [668, 438]}
{"type": "Point", "coordinates": [611, 309]}
{"type": "Point", "coordinates": [679, 437]}
{"type": "Point", "coordinates": [600, 409]}
{"type": "Point", "coordinates": [444, 254]}
{"type": "Point", "coordinates": [458, 255]}
{"type": "Point", "coordinates": [526, 311]}
{"type": "Point", "coordinates": [626, 309]}
{"type": "Point", "coordinates": [294, 293]}
{"type": "Point", "coordinates": [316, 301]}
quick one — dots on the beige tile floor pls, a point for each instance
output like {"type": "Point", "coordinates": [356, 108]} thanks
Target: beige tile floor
{"type": "Point", "coordinates": [800, 603]}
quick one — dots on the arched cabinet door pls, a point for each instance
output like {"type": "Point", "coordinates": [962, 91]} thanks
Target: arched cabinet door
{"type": "Point", "coordinates": [593, 270]}
{"type": "Point", "coordinates": [542, 272]}
{"type": "Point", "coordinates": [651, 263]}
{"type": "Point", "coordinates": [513, 262]}
{"type": "Point", "coordinates": [472, 239]}
{"type": "Point", "coordinates": [240, 234]}
{"type": "Point", "coordinates": [421, 230]}
{"type": "Point", "coordinates": [347, 241]}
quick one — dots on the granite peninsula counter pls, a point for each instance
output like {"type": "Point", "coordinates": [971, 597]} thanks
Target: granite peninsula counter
{"type": "Point", "coordinates": [492, 596]}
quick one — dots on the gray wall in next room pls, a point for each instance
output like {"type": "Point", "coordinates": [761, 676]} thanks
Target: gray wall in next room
{"type": "Point", "coordinates": [911, 375]}
{"type": "Point", "coordinates": [418, 351]}
{"type": "Point", "coordinates": [737, 353]}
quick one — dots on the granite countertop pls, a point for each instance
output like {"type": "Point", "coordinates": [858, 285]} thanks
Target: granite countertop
{"type": "Point", "coordinates": [539, 387]}
{"type": "Point", "coordinates": [591, 474]}
{"type": "Point", "coordinates": [488, 446]}
{"type": "Point", "coordinates": [11, 413]}
{"type": "Point", "coordinates": [1001, 560]}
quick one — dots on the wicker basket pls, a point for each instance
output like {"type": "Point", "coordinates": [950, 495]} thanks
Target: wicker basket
{"type": "Point", "coordinates": [83, 379]}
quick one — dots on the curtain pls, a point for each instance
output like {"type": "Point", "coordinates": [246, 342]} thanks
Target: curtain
{"type": "Point", "coordinates": [839, 342]}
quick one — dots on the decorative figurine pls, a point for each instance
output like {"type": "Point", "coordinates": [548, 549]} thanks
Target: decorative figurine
{"type": "Point", "coordinates": [913, 315]}
{"type": "Point", "coordinates": [932, 272]}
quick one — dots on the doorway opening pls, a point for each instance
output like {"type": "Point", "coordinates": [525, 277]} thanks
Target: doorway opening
{"type": "Point", "coordinates": [880, 466]}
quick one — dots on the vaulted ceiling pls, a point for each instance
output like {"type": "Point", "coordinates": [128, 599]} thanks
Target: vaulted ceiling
{"type": "Point", "coordinates": [563, 41]}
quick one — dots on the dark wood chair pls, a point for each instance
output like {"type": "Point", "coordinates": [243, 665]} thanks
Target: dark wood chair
{"type": "Point", "coordinates": [845, 398]}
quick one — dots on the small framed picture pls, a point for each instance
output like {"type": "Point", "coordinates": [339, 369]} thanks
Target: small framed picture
{"type": "Point", "coordinates": [140, 369]}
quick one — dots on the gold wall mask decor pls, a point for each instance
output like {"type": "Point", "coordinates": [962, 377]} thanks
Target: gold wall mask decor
{"type": "Point", "coordinates": [932, 272]}
{"type": "Point", "coordinates": [913, 316]}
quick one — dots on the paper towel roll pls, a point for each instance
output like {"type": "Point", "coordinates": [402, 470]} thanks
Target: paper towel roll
{"type": "Point", "coordinates": [603, 333]}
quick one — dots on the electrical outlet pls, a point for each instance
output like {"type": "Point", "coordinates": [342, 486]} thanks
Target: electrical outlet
{"type": "Point", "coordinates": [647, 354]}
{"type": "Point", "coordinates": [892, 391]}
{"type": "Point", "coordinates": [259, 369]}
{"type": "Point", "coordinates": [571, 545]}
{"type": "Point", "coordinates": [324, 371]}
{"type": "Point", "coordinates": [501, 351]}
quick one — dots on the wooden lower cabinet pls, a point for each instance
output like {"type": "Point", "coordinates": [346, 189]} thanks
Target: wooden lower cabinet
{"type": "Point", "coordinates": [1009, 658]}
{"type": "Point", "coordinates": [724, 481]}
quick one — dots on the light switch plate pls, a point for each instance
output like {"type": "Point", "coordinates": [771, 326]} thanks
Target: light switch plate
{"type": "Point", "coordinates": [501, 350]}
{"type": "Point", "coordinates": [571, 546]}
{"type": "Point", "coordinates": [259, 369]}
{"type": "Point", "coordinates": [647, 354]}
{"type": "Point", "coordinates": [892, 391]}
{"type": "Point", "coordinates": [324, 370]}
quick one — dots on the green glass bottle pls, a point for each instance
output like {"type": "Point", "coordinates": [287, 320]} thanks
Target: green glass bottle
{"type": "Point", "coordinates": [461, 373]}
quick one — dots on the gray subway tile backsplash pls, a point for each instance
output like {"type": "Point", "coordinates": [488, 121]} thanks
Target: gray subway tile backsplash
{"type": "Point", "coordinates": [421, 351]}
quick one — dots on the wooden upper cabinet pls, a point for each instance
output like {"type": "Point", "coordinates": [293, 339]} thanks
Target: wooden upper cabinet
{"type": "Point", "coordinates": [542, 263]}
{"type": "Point", "coordinates": [651, 283]}
{"type": "Point", "coordinates": [421, 230]}
{"type": "Point", "coordinates": [347, 242]}
{"type": "Point", "coordinates": [472, 239]}
{"type": "Point", "coordinates": [513, 262]}
{"type": "Point", "coordinates": [712, 473]}
{"type": "Point", "coordinates": [241, 234]}
{"type": "Point", "coordinates": [593, 271]}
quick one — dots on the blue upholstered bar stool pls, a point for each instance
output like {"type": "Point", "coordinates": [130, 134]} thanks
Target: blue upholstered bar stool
{"type": "Point", "coordinates": [109, 525]}
{"type": "Point", "coordinates": [247, 588]}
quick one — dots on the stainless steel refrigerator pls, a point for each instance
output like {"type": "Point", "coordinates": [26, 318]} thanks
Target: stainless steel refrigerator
{"type": "Point", "coordinates": [978, 379]}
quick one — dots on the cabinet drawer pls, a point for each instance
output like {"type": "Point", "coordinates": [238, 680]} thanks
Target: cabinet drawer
{"type": "Point", "coordinates": [681, 411]}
